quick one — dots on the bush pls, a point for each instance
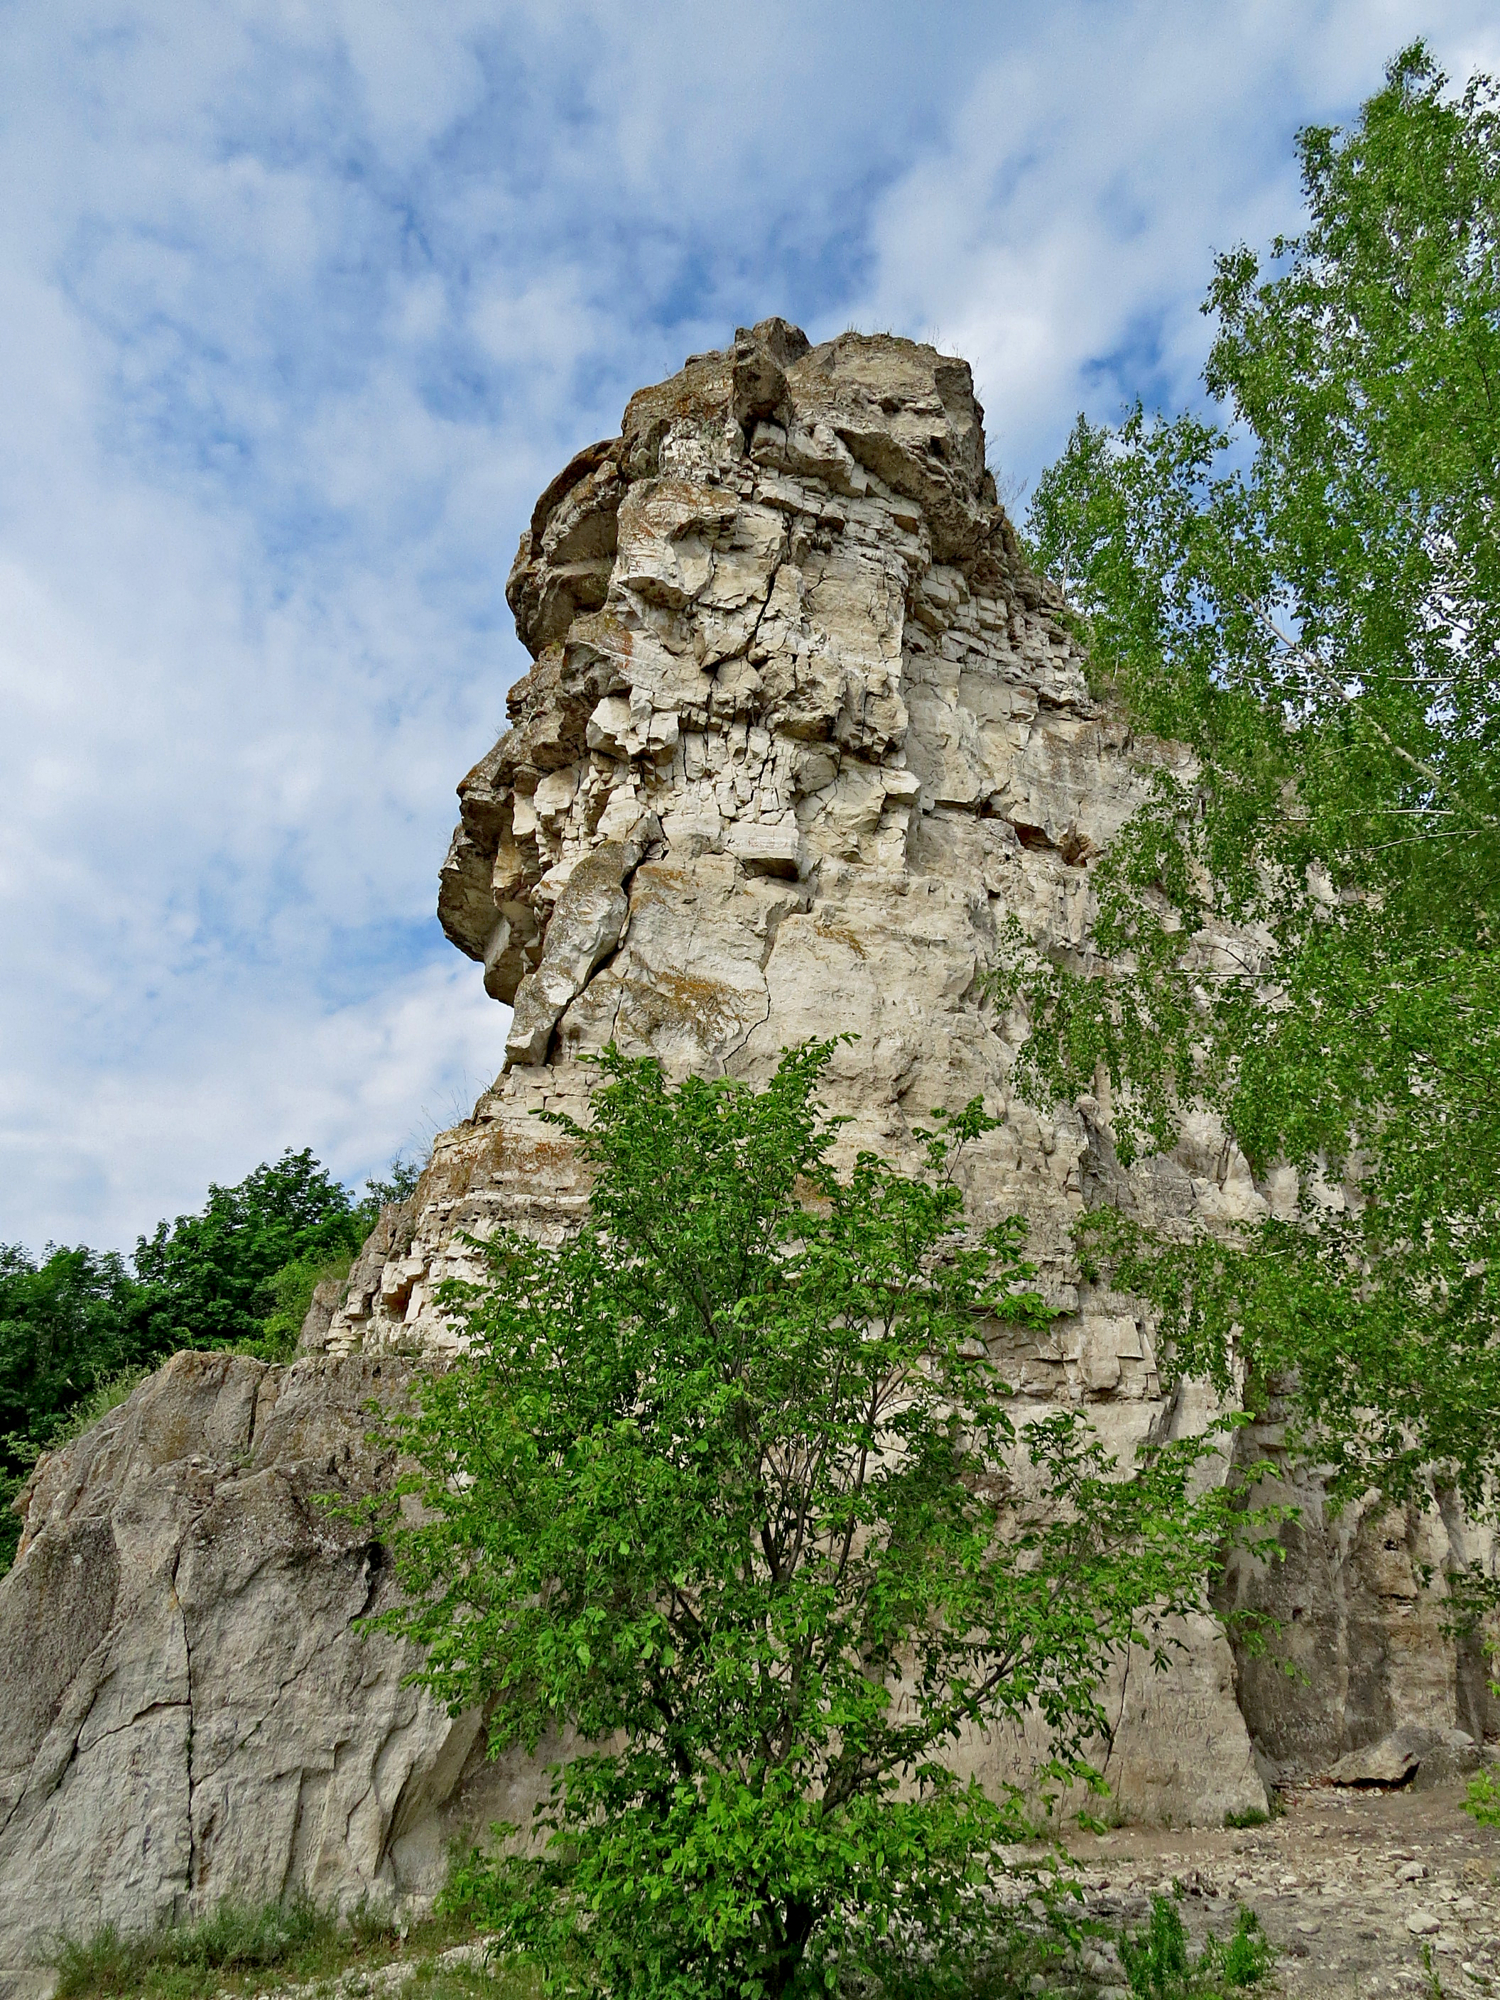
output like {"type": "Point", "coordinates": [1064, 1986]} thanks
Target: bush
{"type": "Point", "coordinates": [1161, 1966]}
{"type": "Point", "coordinates": [725, 1488]}
{"type": "Point", "coordinates": [292, 1289]}
{"type": "Point", "coordinates": [1483, 1801]}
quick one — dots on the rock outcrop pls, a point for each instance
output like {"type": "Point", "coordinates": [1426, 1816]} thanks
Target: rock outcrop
{"type": "Point", "coordinates": [802, 734]}
{"type": "Point", "coordinates": [803, 737]}
{"type": "Point", "coordinates": [191, 1711]}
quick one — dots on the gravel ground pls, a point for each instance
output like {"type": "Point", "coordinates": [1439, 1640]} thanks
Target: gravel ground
{"type": "Point", "coordinates": [1349, 1885]}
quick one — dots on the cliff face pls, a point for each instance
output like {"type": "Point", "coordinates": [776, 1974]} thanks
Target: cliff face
{"type": "Point", "coordinates": [802, 734]}
{"type": "Point", "coordinates": [190, 1712]}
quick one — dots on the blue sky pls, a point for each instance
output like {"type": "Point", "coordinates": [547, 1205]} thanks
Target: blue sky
{"type": "Point", "coordinates": [301, 304]}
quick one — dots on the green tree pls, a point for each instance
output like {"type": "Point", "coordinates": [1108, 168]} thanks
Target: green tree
{"type": "Point", "coordinates": [725, 1489]}
{"type": "Point", "coordinates": [77, 1327]}
{"type": "Point", "coordinates": [400, 1184]}
{"type": "Point", "coordinates": [64, 1322]}
{"type": "Point", "coordinates": [290, 1290]}
{"type": "Point", "coordinates": [211, 1277]}
{"type": "Point", "coordinates": [67, 1322]}
{"type": "Point", "coordinates": [1300, 930]}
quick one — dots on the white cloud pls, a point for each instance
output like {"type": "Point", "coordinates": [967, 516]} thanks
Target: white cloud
{"type": "Point", "coordinates": [301, 304]}
{"type": "Point", "coordinates": [397, 1067]}
{"type": "Point", "coordinates": [1061, 231]}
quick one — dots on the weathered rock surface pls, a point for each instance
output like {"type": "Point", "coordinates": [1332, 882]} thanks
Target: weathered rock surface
{"type": "Point", "coordinates": [1378, 1673]}
{"type": "Point", "coordinates": [1424, 1758]}
{"type": "Point", "coordinates": [803, 739]}
{"type": "Point", "coordinates": [190, 1713]}
{"type": "Point", "coordinates": [803, 735]}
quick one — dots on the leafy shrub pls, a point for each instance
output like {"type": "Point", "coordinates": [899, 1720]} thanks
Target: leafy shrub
{"type": "Point", "coordinates": [1483, 1801]}
{"type": "Point", "coordinates": [1161, 1966]}
{"type": "Point", "coordinates": [292, 1289]}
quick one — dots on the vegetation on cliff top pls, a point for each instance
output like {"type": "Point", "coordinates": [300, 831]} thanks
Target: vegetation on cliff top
{"type": "Point", "coordinates": [79, 1327]}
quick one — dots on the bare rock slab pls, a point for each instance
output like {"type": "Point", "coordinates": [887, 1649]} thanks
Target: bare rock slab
{"type": "Point", "coordinates": [192, 1712]}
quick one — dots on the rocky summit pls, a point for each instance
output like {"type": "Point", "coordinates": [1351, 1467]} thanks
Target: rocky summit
{"type": "Point", "coordinates": [803, 741]}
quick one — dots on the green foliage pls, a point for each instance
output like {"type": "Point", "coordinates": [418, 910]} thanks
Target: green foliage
{"type": "Point", "coordinates": [208, 1277]}
{"type": "Point", "coordinates": [291, 1290]}
{"type": "Point", "coordinates": [1483, 1800]}
{"type": "Point", "coordinates": [1299, 930]}
{"type": "Point", "coordinates": [1157, 1964]}
{"type": "Point", "coordinates": [100, 1400]}
{"type": "Point", "coordinates": [725, 1488]}
{"type": "Point", "coordinates": [78, 1328]}
{"type": "Point", "coordinates": [231, 1940]}
{"type": "Point", "coordinates": [67, 1326]}
{"type": "Point", "coordinates": [64, 1323]}
{"type": "Point", "coordinates": [1160, 1964]}
{"type": "Point", "coordinates": [400, 1186]}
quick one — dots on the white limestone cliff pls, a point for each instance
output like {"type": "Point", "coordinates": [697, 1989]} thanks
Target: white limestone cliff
{"type": "Point", "coordinates": [803, 735]}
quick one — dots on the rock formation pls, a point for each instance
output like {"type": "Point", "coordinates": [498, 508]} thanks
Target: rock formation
{"type": "Point", "coordinates": [190, 1712]}
{"type": "Point", "coordinates": [802, 735]}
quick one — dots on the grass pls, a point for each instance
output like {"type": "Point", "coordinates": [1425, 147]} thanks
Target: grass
{"type": "Point", "coordinates": [242, 1952]}
{"type": "Point", "coordinates": [1434, 1983]}
{"type": "Point", "coordinates": [101, 1399]}
{"type": "Point", "coordinates": [245, 1951]}
{"type": "Point", "coordinates": [1155, 1961]}
{"type": "Point", "coordinates": [447, 1982]}
{"type": "Point", "coordinates": [1160, 1965]}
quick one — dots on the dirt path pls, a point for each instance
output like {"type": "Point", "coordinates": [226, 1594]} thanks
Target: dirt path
{"type": "Point", "coordinates": [1350, 1885]}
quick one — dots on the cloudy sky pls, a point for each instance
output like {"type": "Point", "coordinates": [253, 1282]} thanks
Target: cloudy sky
{"type": "Point", "coordinates": [301, 304]}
